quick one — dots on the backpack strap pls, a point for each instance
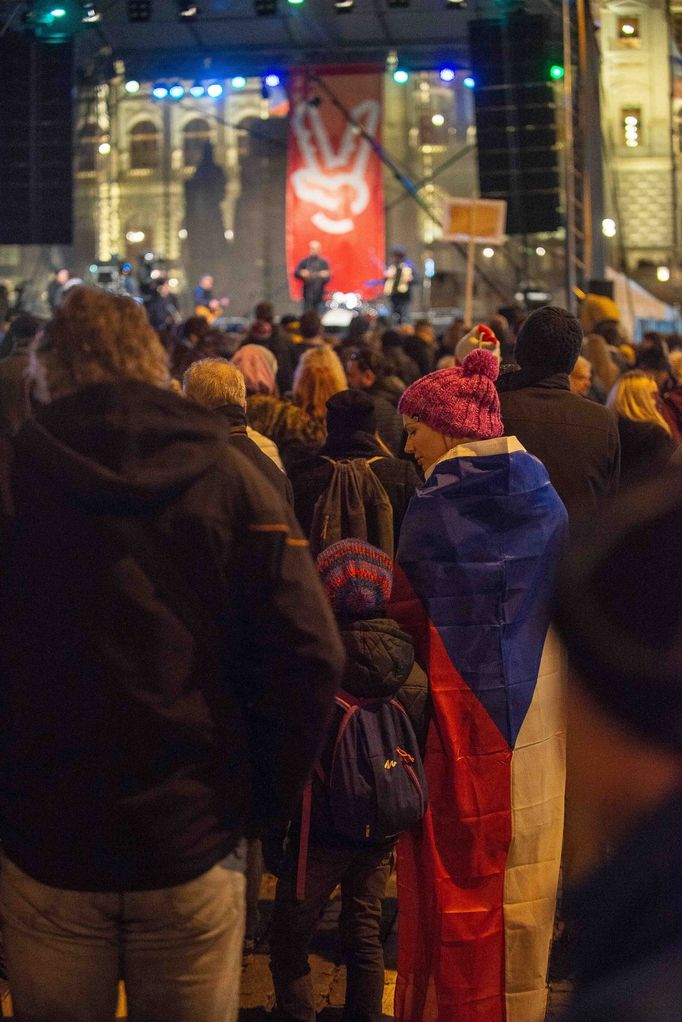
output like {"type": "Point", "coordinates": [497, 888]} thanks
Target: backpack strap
{"type": "Point", "coordinates": [304, 840]}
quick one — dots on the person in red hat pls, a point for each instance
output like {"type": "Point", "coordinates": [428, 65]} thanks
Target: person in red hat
{"type": "Point", "coordinates": [478, 546]}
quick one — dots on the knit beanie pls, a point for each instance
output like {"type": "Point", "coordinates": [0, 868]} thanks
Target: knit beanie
{"type": "Point", "coordinates": [460, 401]}
{"type": "Point", "coordinates": [357, 578]}
{"type": "Point", "coordinates": [258, 366]}
{"type": "Point", "coordinates": [480, 337]}
{"type": "Point", "coordinates": [350, 411]}
{"type": "Point", "coordinates": [550, 340]}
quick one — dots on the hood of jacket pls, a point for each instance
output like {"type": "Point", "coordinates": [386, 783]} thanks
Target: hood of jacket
{"type": "Point", "coordinates": [234, 415]}
{"type": "Point", "coordinates": [379, 657]}
{"type": "Point", "coordinates": [125, 447]}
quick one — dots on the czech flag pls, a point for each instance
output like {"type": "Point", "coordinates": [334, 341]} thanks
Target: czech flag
{"type": "Point", "coordinates": [477, 883]}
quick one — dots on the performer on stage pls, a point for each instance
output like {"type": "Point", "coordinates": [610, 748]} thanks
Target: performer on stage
{"type": "Point", "coordinates": [400, 276]}
{"type": "Point", "coordinates": [314, 272]}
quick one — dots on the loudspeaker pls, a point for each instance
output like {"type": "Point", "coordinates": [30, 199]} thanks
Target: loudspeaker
{"type": "Point", "coordinates": [36, 181]}
{"type": "Point", "coordinates": [516, 120]}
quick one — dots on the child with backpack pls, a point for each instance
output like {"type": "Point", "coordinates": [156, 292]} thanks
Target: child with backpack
{"type": "Point", "coordinates": [367, 788]}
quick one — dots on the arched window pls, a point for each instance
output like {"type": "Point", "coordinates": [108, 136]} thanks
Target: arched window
{"type": "Point", "coordinates": [86, 147]}
{"type": "Point", "coordinates": [195, 135]}
{"type": "Point", "coordinates": [144, 146]}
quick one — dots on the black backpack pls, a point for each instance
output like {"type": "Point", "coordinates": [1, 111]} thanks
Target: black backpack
{"type": "Point", "coordinates": [354, 505]}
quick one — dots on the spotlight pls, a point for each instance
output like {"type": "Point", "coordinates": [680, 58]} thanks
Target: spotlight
{"type": "Point", "coordinates": [438, 120]}
{"type": "Point", "coordinates": [238, 82]}
{"type": "Point", "coordinates": [608, 227]}
{"type": "Point", "coordinates": [159, 90]}
{"type": "Point", "coordinates": [295, 3]}
{"type": "Point", "coordinates": [104, 148]}
{"type": "Point", "coordinates": [176, 91]}
{"type": "Point", "coordinates": [343, 6]}
{"type": "Point", "coordinates": [187, 10]}
{"type": "Point", "coordinates": [265, 8]}
{"type": "Point", "coordinates": [54, 22]}
{"type": "Point", "coordinates": [447, 74]}
{"type": "Point", "coordinates": [401, 76]}
{"type": "Point", "coordinates": [488, 252]}
{"type": "Point", "coordinates": [214, 90]}
{"type": "Point", "coordinates": [454, 5]}
{"type": "Point", "coordinates": [197, 90]}
{"type": "Point", "coordinates": [139, 10]}
{"type": "Point", "coordinates": [663, 274]}
{"type": "Point", "coordinates": [556, 72]}
{"type": "Point", "coordinates": [272, 80]}
{"type": "Point", "coordinates": [132, 86]}
{"type": "Point", "coordinates": [469, 82]}
{"type": "Point", "coordinates": [90, 13]}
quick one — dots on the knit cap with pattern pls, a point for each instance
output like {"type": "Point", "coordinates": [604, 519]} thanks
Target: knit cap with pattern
{"type": "Point", "coordinates": [357, 578]}
{"type": "Point", "coordinates": [460, 401]}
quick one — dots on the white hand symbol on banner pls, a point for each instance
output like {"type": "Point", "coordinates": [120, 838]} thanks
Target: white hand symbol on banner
{"type": "Point", "coordinates": [340, 194]}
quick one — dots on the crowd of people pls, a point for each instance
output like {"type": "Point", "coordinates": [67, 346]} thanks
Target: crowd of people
{"type": "Point", "coordinates": [290, 601]}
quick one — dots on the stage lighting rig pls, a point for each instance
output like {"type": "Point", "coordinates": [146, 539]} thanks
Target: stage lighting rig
{"type": "Point", "coordinates": [54, 21]}
{"type": "Point", "coordinates": [344, 6]}
{"type": "Point", "coordinates": [455, 5]}
{"type": "Point", "coordinates": [139, 11]}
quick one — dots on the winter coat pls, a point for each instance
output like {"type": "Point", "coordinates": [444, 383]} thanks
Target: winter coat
{"type": "Point", "coordinates": [167, 657]}
{"type": "Point", "coordinates": [311, 477]}
{"type": "Point", "coordinates": [389, 422]}
{"type": "Point", "coordinates": [576, 440]}
{"type": "Point", "coordinates": [295, 432]}
{"type": "Point", "coordinates": [629, 917]}
{"type": "Point", "coordinates": [379, 665]}
{"type": "Point", "coordinates": [645, 450]}
{"type": "Point", "coordinates": [235, 416]}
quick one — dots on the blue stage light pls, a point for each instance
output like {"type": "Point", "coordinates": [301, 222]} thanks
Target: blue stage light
{"type": "Point", "coordinates": [447, 74]}
{"type": "Point", "coordinates": [176, 91]}
{"type": "Point", "coordinates": [197, 90]}
{"type": "Point", "coordinates": [214, 90]}
{"type": "Point", "coordinates": [159, 90]}
{"type": "Point", "coordinates": [469, 82]}
{"type": "Point", "coordinates": [272, 80]}
{"type": "Point", "coordinates": [238, 82]}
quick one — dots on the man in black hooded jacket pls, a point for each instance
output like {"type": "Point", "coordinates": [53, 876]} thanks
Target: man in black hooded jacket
{"type": "Point", "coordinates": [167, 663]}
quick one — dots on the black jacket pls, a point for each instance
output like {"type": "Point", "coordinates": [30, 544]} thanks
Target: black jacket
{"type": "Point", "coordinates": [629, 918]}
{"type": "Point", "coordinates": [575, 439]}
{"type": "Point", "coordinates": [235, 416]}
{"type": "Point", "coordinates": [645, 450]}
{"type": "Point", "coordinates": [380, 663]}
{"type": "Point", "coordinates": [311, 477]}
{"type": "Point", "coordinates": [167, 656]}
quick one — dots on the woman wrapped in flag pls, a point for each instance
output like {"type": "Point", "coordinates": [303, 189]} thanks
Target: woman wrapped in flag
{"type": "Point", "coordinates": [478, 547]}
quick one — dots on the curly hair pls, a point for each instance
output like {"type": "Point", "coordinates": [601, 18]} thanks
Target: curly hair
{"type": "Point", "coordinates": [319, 375]}
{"type": "Point", "coordinates": [96, 337]}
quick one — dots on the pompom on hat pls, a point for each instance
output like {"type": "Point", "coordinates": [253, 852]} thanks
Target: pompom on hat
{"type": "Point", "coordinates": [357, 578]}
{"type": "Point", "coordinates": [460, 401]}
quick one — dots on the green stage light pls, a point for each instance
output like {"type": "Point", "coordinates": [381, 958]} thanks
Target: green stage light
{"type": "Point", "coordinates": [556, 72]}
{"type": "Point", "coordinates": [55, 22]}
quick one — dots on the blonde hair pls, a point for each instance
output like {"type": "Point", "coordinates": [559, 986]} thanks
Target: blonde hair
{"type": "Point", "coordinates": [95, 337]}
{"type": "Point", "coordinates": [319, 375]}
{"type": "Point", "coordinates": [633, 397]}
{"type": "Point", "coordinates": [212, 382]}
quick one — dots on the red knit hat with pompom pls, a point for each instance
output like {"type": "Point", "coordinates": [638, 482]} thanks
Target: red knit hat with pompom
{"type": "Point", "coordinates": [460, 401]}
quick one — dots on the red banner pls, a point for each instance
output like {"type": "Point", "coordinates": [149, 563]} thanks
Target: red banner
{"type": "Point", "coordinates": [334, 180]}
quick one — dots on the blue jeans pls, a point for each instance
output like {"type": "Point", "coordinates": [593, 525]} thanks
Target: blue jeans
{"type": "Point", "coordinates": [178, 949]}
